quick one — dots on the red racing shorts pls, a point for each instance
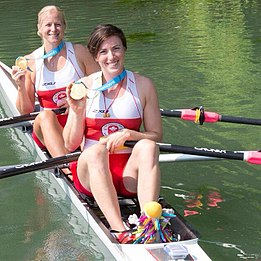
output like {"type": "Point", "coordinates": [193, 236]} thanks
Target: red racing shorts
{"type": "Point", "coordinates": [117, 164]}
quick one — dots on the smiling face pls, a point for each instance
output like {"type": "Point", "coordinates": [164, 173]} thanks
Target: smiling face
{"type": "Point", "coordinates": [110, 56]}
{"type": "Point", "coordinates": [51, 26]}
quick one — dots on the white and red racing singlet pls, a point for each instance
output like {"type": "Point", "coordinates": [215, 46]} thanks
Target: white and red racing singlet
{"type": "Point", "coordinates": [125, 112]}
{"type": "Point", "coordinates": [51, 86]}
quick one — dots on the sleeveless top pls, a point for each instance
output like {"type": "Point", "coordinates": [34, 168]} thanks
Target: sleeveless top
{"type": "Point", "coordinates": [125, 112]}
{"type": "Point", "coordinates": [51, 86]}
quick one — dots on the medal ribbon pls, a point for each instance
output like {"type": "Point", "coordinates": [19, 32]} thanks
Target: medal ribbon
{"type": "Point", "coordinates": [112, 82]}
{"type": "Point", "coordinates": [22, 61]}
{"type": "Point", "coordinates": [54, 51]}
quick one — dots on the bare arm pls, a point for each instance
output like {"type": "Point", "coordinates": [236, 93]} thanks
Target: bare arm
{"type": "Point", "coordinates": [73, 131]}
{"type": "Point", "coordinates": [25, 101]}
{"type": "Point", "coordinates": [86, 62]}
{"type": "Point", "coordinates": [151, 111]}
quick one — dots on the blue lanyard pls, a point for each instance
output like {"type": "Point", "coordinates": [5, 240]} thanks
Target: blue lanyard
{"type": "Point", "coordinates": [54, 51]}
{"type": "Point", "coordinates": [112, 82]}
{"type": "Point", "coordinates": [51, 53]}
{"type": "Point", "coordinates": [108, 84]}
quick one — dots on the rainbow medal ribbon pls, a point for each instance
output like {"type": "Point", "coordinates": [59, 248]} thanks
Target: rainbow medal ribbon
{"type": "Point", "coordinates": [22, 62]}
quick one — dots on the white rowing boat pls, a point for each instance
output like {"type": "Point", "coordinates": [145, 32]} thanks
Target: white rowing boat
{"type": "Point", "coordinates": [185, 249]}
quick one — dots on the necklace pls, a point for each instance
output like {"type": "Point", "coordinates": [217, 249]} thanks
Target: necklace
{"type": "Point", "coordinates": [53, 60]}
{"type": "Point", "coordinates": [106, 113]}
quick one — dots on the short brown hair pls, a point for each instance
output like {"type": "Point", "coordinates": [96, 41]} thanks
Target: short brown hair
{"type": "Point", "coordinates": [100, 34]}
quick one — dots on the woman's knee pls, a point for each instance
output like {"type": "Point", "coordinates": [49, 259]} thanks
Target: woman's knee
{"type": "Point", "coordinates": [90, 160]}
{"type": "Point", "coordinates": [94, 154]}
{"type": "Point", "coordinates": [147, 147]}
{"type": "Point", "coordinates": [46, 116]}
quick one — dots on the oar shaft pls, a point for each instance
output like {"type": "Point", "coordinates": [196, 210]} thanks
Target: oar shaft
{"type": "Point", "coordinates": [240, 120]}
{"type": "Point", "coordinates": [34, 166]}
{"type": "Point", "coordinates": [217, 153]}
{"type": "Point", "coordinates": [191, 115]}
{"type": "Point", "coordinates": [26, 117]}
{"type": "Point", "coordinates": [253, 157]}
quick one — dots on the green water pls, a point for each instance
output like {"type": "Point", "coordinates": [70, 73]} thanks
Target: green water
{"type": "Point", "coordinates": [197, 53]}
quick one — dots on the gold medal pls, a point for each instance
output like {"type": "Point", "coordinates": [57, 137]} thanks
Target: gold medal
{"type": "Point", "coordinates": [78, 90]}
{"type": "Point", "coordinates": [21, 62]}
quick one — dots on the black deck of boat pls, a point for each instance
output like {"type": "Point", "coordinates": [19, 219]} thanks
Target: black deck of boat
{"type": "Point", "coordinates": [130, 206]}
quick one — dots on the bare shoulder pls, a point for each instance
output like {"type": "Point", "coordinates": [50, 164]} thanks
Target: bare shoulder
{"type": "Point", "coordinates": [146, 90]}
{"type": "Point", "coordinates": [80, 49]}
{"type": "Point", "coordinates": [144, 83]}
{"type": "Point", "coordinates": [85, 59]}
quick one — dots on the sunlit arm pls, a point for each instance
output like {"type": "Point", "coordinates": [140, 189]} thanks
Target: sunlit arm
{"type": "Point", "coordinates": [151, 112]}
{"type": "Point", "coordinates": [74, 129]}
{"type": "Point", "coordinates": [25, 101]}
{"type": "Point", "coordinates": [75, 126]}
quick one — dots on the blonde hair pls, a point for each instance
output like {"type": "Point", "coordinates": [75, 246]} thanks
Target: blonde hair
{"type": "Point", "coordinates": [48, 9]}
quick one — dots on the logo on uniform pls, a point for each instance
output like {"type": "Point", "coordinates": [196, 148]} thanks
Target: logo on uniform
{"type": "Point", "coordinates": [59, 96]}
{"type": "Point", "coordinates": [47, 84]}
{"type": "Point", "coordinates": [111, 127]}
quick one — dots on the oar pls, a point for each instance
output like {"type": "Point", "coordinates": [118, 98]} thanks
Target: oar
{"type": "Point", "coordinates": [253, 157]}
{"type": "Point", "coordinates": [201, 116]}
{"type": "Point", "coordinates": [7, 122]}
{"type": "Point", "coordinates": [13, 170]}
{"type": "Point", "coordinates": [9, 171]}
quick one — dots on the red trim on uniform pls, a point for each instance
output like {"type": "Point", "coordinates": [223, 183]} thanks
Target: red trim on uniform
{"type": "Point", "coordinates": [48, 99]}
{"type": "Point", "coordinates": [99, 127]}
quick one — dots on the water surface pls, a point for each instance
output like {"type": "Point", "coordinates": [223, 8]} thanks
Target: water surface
{"type": "Point", "coordinates": [197, 53]}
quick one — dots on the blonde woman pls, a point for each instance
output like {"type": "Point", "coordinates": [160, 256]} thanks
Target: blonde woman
{"type": "Point", "coordinates": [50, 69]}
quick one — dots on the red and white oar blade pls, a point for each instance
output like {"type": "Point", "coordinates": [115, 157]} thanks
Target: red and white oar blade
{"type": "Point", "coordinates": [253, 157]}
